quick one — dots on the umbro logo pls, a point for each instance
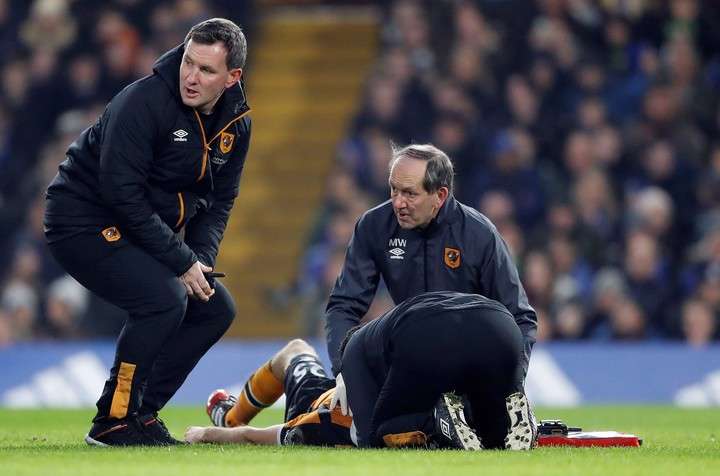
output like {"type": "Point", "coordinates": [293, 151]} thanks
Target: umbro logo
{"type": "Point", "coordinates": [396, 253]}
{"type": "Point", "coordinates": [445, 428]}
{"type": "Point", "coordinates": [180, 135]}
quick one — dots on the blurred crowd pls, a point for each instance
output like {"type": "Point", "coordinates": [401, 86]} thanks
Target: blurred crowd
{"type": "Point", "coordinates": [61, 61]}
{"type": "Point", "coordinates": [587, 131]}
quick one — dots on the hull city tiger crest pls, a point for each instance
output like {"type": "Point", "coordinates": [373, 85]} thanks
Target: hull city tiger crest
{"type": "Point", "coordinates": [452, 258]}
{"type": "Point", "coordinates": [226, 142]}
{"type": "Point", "coordinates": [111, 234]}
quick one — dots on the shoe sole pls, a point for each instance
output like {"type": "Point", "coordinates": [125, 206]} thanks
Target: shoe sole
{"type": "Point", "coordinates": [466, 436]}
{"type": "Point", "coordinates": [520, 434]}
{"type": "Point", "coordinates": [93, 442]}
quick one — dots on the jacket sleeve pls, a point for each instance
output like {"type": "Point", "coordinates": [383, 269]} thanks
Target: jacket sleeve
{"type": "Point", "coordinates": [499, 280]}
{"type": "Point", "coordinates": [126, 157]}
{"type": "Point", "coordinates": [353, 292]}
{"type": "Point", "coordinates": [205, 231]}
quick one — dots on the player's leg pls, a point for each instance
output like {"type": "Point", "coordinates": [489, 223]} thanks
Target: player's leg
{"type": "Point", "coordinates": [261, 390]}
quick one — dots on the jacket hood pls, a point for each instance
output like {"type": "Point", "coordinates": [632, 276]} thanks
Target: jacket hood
{"type": "Point", "coordinates": [167, 67]}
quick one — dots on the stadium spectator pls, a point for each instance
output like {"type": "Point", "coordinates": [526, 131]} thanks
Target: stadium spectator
{"type": "Point", "coordinates": [66, 304]}
{"type": "Point", "coordinates": [571, 321]}
{"type": "Point", "coordinates": [699, 323]}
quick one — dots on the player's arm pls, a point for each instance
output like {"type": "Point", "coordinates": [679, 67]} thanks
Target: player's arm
{"type": "Point", "coordinates": [241, 435]}
{"type": "Point", "coordinates": [353, 292]}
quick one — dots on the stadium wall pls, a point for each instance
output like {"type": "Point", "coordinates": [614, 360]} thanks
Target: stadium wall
{"type": "Point", "coordinates": [72, 374]}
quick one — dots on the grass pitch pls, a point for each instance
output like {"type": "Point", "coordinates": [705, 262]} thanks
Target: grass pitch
{"type": "Point", "coordinates": [676, 442]}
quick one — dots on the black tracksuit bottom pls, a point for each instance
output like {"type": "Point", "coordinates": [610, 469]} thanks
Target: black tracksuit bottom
{"type": "Point", "coordinates": [474, 352]}
{"type": "Point", "coordinates": [165, 334]}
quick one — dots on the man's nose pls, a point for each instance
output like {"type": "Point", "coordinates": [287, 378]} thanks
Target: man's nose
{"type": "Point", "coordinates": [191, 75]}
{"type": "Point", "coordinates": [398, 201]}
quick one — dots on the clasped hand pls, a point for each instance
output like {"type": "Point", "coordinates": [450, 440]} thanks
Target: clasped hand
{"type": "Point", "coordinates": [195, 283]}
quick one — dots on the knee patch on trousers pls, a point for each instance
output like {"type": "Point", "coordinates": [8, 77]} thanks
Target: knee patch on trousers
{"type": "Point", "coordinates": [411, 439]}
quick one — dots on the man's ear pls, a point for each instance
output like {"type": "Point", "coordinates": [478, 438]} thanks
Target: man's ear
{"type": "Point", "coordinates": [442, 194]}
{"type": "Point", "coordinates": [234, 76]}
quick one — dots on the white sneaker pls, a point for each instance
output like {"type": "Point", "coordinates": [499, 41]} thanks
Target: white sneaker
{"type": "Point", "coordinates": [522, 432]}
{"type": "Point", "coordinates": [450, 426]}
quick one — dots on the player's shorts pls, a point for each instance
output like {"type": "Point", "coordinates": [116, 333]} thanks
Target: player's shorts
{"type": "Point", "coordinates": [308, 419]}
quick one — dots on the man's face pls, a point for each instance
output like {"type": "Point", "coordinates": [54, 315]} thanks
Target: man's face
{"type": "Point", "coordinates": [414, 207]}
{"type": "Point", "coordinates": [204, 75]}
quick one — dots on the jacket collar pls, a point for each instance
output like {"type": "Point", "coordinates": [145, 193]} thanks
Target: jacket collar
{"type": "Point", "coordinates": [447, 212]}
{"type": "Point", "coordinates": [167, 67]}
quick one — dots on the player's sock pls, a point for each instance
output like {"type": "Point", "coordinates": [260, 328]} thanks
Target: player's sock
{"type": "Point", "coordinates": [260, 391]}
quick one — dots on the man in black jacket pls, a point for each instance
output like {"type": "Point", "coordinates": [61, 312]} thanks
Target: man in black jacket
{"type": "Point", "coordinates": [422, 240]}
{"type": "Point", "coordinates": [399, 365]}
{"type": "Point", "coordinates": [166, 155]}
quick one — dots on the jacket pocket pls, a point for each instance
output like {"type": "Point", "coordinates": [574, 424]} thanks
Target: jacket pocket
{"type": "Point", "coordinates": [174, 208]}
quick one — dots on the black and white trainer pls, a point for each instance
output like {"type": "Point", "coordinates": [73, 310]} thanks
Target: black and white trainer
{"type": "Point", "coordinates": [451, 428]}
{"type": "Point", "coordinates": [522, 430]}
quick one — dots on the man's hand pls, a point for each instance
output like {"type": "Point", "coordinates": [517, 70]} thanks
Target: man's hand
{"type": "Point", "coordinates": [340, 395]}
{"type": "Point", "coordinates": [195, 434]}
{"type": "Point", "coordinates": [195, 283]}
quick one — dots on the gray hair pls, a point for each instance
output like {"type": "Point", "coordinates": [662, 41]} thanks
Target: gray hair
{"type": "Point", "coordinates": [439, 172]}
{"type": "Point", "coordinates": [213, 30]}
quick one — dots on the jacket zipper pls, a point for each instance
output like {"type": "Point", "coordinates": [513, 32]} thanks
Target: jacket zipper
{"type": "Point", "coordinates": [425, 263]}
{"type": "Point", "coordinates": [206, 143]}
{"type": "Point", "coordinates": [181, 203]}
{"type": "Point", "coordinates": [206, 146]}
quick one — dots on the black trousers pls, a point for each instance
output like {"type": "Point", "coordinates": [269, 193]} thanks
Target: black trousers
{"type": "Point", "coordinates": [474, 353]}
{"type": "Point", "coordinates": [165, 334]}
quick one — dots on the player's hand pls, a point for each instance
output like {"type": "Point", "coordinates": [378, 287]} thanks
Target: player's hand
{"type": "Point", "coordinates": [194, 434]}
{"type": "Point", "coordinates": [340, 395]}
{"type": "Point", "coordinates": [195, 283]}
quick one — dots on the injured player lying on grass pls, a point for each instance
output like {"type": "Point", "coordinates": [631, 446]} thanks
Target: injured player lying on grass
{"type": "Point", "coordinates": [297, 372]}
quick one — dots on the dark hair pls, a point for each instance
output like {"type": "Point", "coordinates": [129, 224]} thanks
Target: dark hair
{"type": "Point", "coordinates": [439, 171]}
{"type": "Point", "coordinates": [213, 30]}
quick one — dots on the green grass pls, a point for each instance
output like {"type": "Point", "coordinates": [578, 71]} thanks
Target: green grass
{"type": "Point", "coordinates": [677, 442]}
